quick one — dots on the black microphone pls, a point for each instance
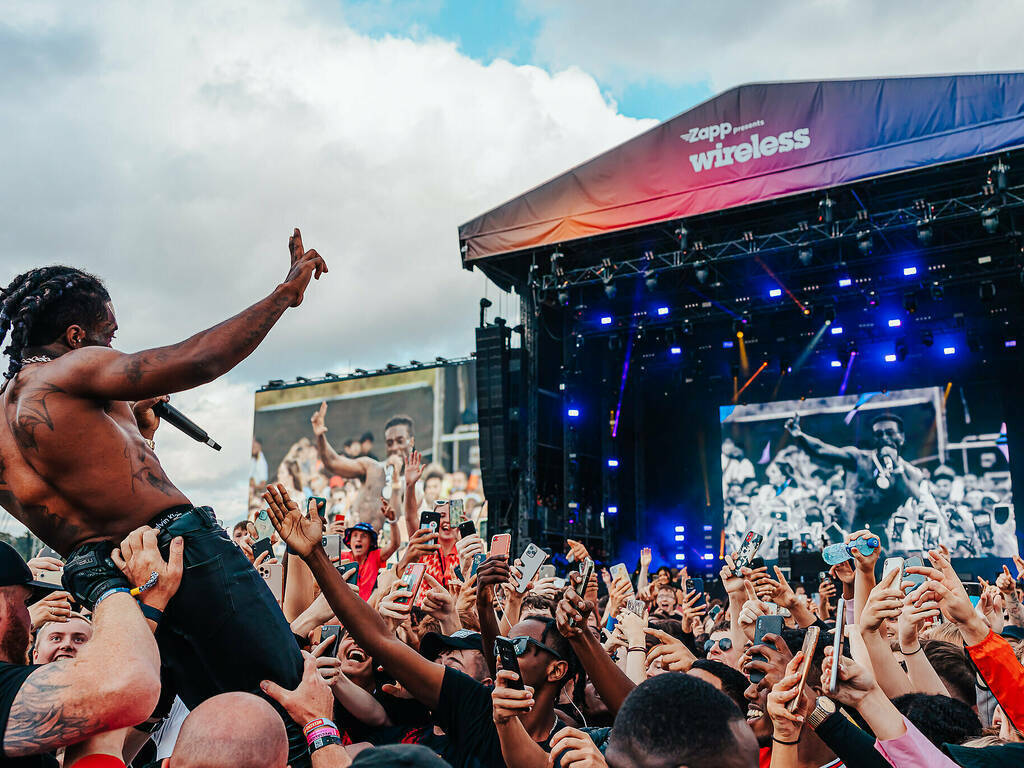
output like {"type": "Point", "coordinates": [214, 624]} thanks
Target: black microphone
{"type": "Point", "coordinates": [179, 420]}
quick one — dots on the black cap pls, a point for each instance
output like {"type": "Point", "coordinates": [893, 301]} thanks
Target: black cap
{"type": "Point", "coordinates": [14, 571]}
{"type": "Point", "coordinates": [412, 755]}
{"type": "Point", "coordinates": [462, 640]}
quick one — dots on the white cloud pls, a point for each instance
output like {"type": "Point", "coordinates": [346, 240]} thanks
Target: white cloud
{"type": "Point", "coordinates": [726, 44]}
{"type": "Point", "coordinates": [170, 148]}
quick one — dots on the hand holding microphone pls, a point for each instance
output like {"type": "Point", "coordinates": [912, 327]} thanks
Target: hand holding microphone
{"type": "Point", "coordinates": [148, 411]}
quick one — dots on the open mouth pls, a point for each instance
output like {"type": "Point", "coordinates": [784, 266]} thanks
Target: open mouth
{"type": "Point", "coordinates": [754, 714]}
{"type": "Point", "coordinates": [357, 655]}
{"type": "Point", "coordinates": [63, 655]}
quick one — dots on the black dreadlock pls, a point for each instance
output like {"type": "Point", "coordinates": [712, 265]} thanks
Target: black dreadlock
{"type": "Point", "coordinates": [39, 305]}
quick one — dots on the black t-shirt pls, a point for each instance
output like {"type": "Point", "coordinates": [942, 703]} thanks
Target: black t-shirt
{"type": "Point", "coordinates": [12, 676]}
{"type": "Point", "coordinates": [464, 712]}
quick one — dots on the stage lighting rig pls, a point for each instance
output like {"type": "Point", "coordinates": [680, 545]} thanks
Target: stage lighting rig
{"type": "Point", "coordinates": [830, 315]}
{"type": "Point", "coordinates": [805, 254]}
{"type": "Point", "coordinates": [864, 241]}
{"type": "Point", "coordinates": [826, 210]}
{"type": "Point", "coordinates": [927, 338]}
{"type": "Point", "coordinates": [901, 350]}
{"type": "Point", "coordinates": [936, 291]}
{"type": "Point", "coordinates": [924, 232]}
{"type": "Point", "coordinates": [910, 302]}
{"type": "Point", "coordinates": [987, 291]}
{"type": "Point", "coordinates": [997, 177]}
{"type": "Point", "coordinates": [650, 277]}
{"type": "Point", "coordinates": [700, 271]}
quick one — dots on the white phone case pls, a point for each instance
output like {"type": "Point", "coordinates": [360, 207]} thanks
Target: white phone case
{"type": "Point", "coordinates": [533, 558]}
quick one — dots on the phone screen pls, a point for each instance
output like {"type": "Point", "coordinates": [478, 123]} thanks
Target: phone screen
{"type": "Point", "coordinates": [837, 645]}
{"type": "Point", "coordinates": [809, 646]}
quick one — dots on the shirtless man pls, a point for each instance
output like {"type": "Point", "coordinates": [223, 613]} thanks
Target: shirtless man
{"type": "Point", "coordinates": [398, 441]}
{"type": "Point", "coordinates": [884, 480]}
{"type": "Point", "coordinates": [78, 468]}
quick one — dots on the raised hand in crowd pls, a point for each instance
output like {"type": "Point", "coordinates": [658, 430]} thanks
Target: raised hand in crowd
{"type": "Point", "coordinates": [671, 654]}
{"type": "Point", "coordinates": [422, 542]}
{"type": "Point", "coordinates": [572, 748]}
{"type": "Point", "coordinates": [510, 701]}
{"type": "Point", "coordinates": [1006, 584]}
{"type": "Point", "coordinates": [302, 532]}
{"type": "Point", "coordinates": [468, 547]}
{"type": "Point", "coordinates": [786, 725]}
{"type": "Point", "coordinates": [439, 603]}
{"type": "Point", "coordinates": [577, 550]}
{"type": "Point", "coordinates": [56, 606]}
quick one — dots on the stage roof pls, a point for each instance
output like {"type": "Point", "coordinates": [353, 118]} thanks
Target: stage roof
{"type": "Point", "coordinates": [760, 142]}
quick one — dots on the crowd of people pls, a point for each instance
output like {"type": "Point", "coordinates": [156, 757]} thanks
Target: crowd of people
{"type": "Point", "coordinates": [620, 671]}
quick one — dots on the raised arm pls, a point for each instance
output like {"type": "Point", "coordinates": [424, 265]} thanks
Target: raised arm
{"type": "Point", "coordinates": [336, 463]}
{"type": "Point", "coordinates": [103, 373]}
{"type": "Point", "coordinates": [303, 534]}
{"type": "Point", "coordinates": [819, 449]}
{"type": "Point", "coordinates": [411, 506]}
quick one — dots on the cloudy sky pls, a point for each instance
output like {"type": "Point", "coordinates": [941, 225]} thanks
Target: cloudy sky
{"type": "Point", "coordinates": [171, 147]}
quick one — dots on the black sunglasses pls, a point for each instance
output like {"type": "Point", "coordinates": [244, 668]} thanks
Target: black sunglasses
{"type": "Point", "coordinates": [520, 644]}
{"type": "Point", "coordinates": [724, 643]}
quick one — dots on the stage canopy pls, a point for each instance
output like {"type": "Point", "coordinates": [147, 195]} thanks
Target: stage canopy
{"type": "Point", "coordinates": [756, 143]}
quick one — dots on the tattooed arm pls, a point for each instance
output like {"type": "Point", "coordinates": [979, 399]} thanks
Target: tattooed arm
{"type": "Point", "coordinates": [103, 373]}
{"type": "Point", "coordinates": [114, 682]}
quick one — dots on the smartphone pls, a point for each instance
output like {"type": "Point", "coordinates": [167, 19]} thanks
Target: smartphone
{"type": "Point", "coordinates": [349, 572]}
{"type": "Point", "coordinates": [430, 519]}
{"type": "Point", "coordinates": [892, 564]}
{"type": "Point", "coordinates": [837, 646]}
{"type": "Point", "coordinates": [412, 578]}
{"type": "Point", "coordinates": [509, 661]}
{"type": "Point", "coordinates": [389, 474]}
{"type": "Point", "coordinates": [260, 527]}
{"type": "Point", "coordinates": [751, 543]}
{"type": "Point", "coordinates": [321, 506]}
{"type": "Point", "coordinates": [330, 631]}
{"type": "Point", "coordinates": [915, 579]}
{"type": "Point", "coordinates": [333, 543]}
{"type": "Point", "coordinates": [532, 559]}
{"type": "Point", "coordinates": [786, 558]}
{"type": "Point", "coordinates": [757, 562]}
{"type": "Point", "coordinates": [500, 544]}
{"type": "Point", "coordinates": [973, 590]}
{"type": "Point", "coordinates": [50, 577]}
{"type": "Point", "coordinates": [765, 625]}
{"type": "Point", "coordinates": [587, 571]}
{"type": "Point", "coordinates": [559, 583]}
{"type": "Point", "coordinates": [273, 575]}
{"type": "Point", "coordinates": [810, 645]}
{"type": "Point", "coordinates": [636, 606]}
{"type": "Point", "coordinates": [50, 552]}
{"type": "Point", "coordinates": [477, 560]}
{"type": "Point", "coordinates": [457, 570]}
{"type": "Point", "coordinates": [547, 571]}
{"type": "Point", "coordinates": [696, 584]}
{"type": "Point", "coordinates": [715, 612]}
{"type": "Point", "coordinates": [261, 546]}
{"type": "Point", "coordinates": [835, 534]}
{"type": "Point", "coordinates": [457, 518]}
{"type": "Point", "coordinates": [619, 571]}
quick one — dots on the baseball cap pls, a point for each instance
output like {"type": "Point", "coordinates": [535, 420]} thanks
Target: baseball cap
{"type": "Point", "coordinates": [412, 755]}
{"type": "Point", "coordinates": [464, 639]}
{"type": "Point", "coordinates": [14, 570]}
{"type": "Point", "coordinates": [366, 527]}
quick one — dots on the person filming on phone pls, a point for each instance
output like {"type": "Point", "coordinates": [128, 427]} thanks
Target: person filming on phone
{"type": "Point", "coordinates": [79, 469]}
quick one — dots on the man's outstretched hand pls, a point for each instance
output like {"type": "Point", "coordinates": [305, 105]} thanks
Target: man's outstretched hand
{"type": "Point", "coordinates": [305, 264]}
{"type": "Point", "coordinates": [300, 532]}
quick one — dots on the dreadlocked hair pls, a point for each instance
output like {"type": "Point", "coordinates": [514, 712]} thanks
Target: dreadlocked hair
{"type": "Point", "coordinates": [39, 305]}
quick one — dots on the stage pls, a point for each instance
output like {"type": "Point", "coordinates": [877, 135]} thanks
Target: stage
{"type": "Point", "coordinates": [842, 250]}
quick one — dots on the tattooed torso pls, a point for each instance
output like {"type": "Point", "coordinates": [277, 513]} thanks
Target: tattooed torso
{"type": "Point", "coordinates": [74, 469]}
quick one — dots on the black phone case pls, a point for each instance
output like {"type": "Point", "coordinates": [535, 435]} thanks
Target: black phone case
{"type": "Point", "coordinates": [261, 546]}
{"type": "Point", "coordinates": [467, 528]}
{"type": "Point", "coordinates": [331, 630]}
{"type": "Point", "coordinates": [766, 625]}
{"type": "Point", "coordinates": [510, 662]}
{"type": "Point", "coordinates": [321, 506]}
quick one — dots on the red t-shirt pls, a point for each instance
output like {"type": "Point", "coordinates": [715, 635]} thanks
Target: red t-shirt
{"type": "Point", "coordinates": [99, 761]}
{"type": "Point", "coordinates": [367, 571]}
{"type": "Point", "coordinates": [440, 567]}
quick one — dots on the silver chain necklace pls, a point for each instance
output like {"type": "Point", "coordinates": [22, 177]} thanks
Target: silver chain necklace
{"type": "Point", "coordinates": [36, 359]}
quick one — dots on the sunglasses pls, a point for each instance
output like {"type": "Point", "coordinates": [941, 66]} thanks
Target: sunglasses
{"type": "Point", "coordinates": [521, 644]}
{"type": "Point", "coordinates": [724, 643]}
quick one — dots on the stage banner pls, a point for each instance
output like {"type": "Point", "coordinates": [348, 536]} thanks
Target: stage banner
{"type": "Point", "coordinates": [758, 142]}
{"type": "Point", "coordinates": [919, 467]}
{"type": "Point", "coordinates": [369, 420]}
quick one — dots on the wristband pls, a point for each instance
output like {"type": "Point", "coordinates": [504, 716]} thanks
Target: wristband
{"type": "Point", "coordinates": [787, 743]}
{"type": "Point", "coordinates": [641, 650]}
{"type": "Point", "coordinates": [151, 613]}
{"type": "Point", "coordinates": [320, 722]}
{"type": "Point", "coordinates": [324, 741]}
{"type": "Point", "coordinates": [911, 653]}
{"type": "Point", "coordinates": [107, 594]}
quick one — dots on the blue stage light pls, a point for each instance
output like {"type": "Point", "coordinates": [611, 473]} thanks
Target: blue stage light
{"type": "Point", "coordinates": [727, 345]}
{"type": "Point", "coordinates": [708, 527]}
{"type": "Point", "coordinates": [1010, 343]}
{"type": "Point", "coordinates": [836, 364]}
{"type": "Point", "coordinates": [845, 282]}
{"type": "Point", "coordinates": [662, 310]}
{"type": "Point", "coordinates": [680, 537]}
{"type": "Point", "coordinates": [676, 350]}
{"type": "Point", "coordinates": [909, 271]}
{"type": "Point", "coordinates": [613, 462]}
{"type": "Point", "coordinates": [680, 529]}
{"type": "Point", "coordinates": [573, 413]}
{"type": "Point", "coordinates": [837, 330]}
{"type": "Point", "coordinates": [709, 555]}
{"type": "Point", "coordinates": [949, 350]}
{"type": "Point", "coordinates": [895, 323]}
{"type": "Point", "coordinates": [890, 358]}
{"type": "Point", "coordinates": [775, 293]}
{"type": "Point", "coordinates": [613, 510]}
{"type": "Point", "coordinates": [680, 555]}
{"type": "Point", "coordinates": [606, 320]}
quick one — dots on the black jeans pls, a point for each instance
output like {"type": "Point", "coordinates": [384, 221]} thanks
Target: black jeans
{"type": "Point", "coordinates": [223, 630]}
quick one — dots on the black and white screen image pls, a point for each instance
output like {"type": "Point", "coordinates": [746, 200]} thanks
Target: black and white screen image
{"type": "Point", "coordinates": [918, 467]}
